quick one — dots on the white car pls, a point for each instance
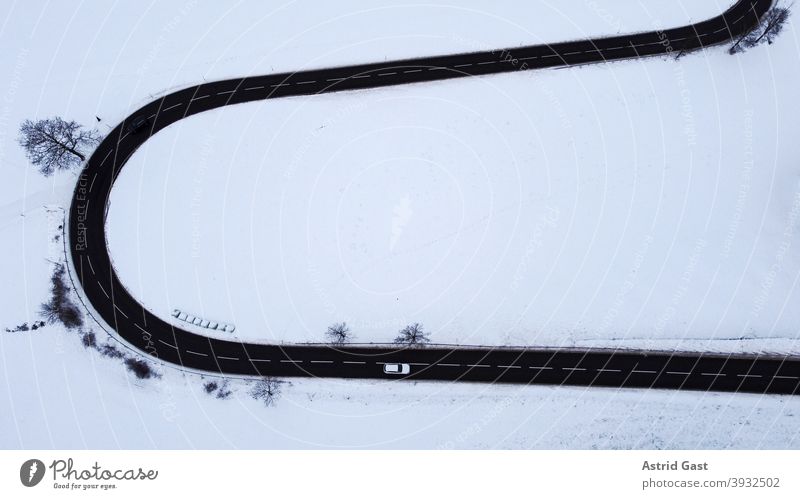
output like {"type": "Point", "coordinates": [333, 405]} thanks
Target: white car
{"type": "Point", "coordinates": [396, 368]}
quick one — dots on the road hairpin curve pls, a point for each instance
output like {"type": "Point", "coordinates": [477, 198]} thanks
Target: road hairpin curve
{"type": "Point", "coordinates": [153, 336]}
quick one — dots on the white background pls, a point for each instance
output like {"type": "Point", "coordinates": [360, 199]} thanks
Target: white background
{"type": "Point", "coordinates": [400, 475]}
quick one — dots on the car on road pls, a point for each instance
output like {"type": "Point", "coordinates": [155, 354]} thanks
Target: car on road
{"type": "Point", "coordinates": [396, 368]}
{"type": "Point", "coordinates": [137, 124]}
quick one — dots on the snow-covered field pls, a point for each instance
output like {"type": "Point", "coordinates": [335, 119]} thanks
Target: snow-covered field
{"type": "Point", "coordinates": [81, 401]}
{"type": "Point", "coordinates": [646, 203]}
{"type": "Point", "coordinates": [560, 207]}
{"type": "Point", "coordinates": [54, 65]}
{"type": "Point", "coordinates": [56, 394]}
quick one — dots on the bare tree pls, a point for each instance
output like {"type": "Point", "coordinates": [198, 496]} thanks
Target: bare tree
{"type": "Point", "coordinates": [773, 24]}
{"type": "Point", "coordinates": [266, 390]}
{"type": "Point", "coordinates": [767, 30]}
{"type": "Point", "coordinates": [412, 335]}
{"type": "Point", "coordinates": [338, 333]}
{"type": "Point", "coordinates": [60, 308]}
{"type": "Point", "coordinates": [54, 144]}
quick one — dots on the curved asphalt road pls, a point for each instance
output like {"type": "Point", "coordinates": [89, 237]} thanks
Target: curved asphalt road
{"type": "Point", "coordinates": [153, 336]}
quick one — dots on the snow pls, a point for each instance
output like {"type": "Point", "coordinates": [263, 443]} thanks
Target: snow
{"type": "Point", "coordinates": [651, 216]}
{"type": "Point", "coordinates": [133, 52]}
{"type": "Point", "coordinates": [82, 401]}
{"type": "Point", "coordinates": [649, 203]}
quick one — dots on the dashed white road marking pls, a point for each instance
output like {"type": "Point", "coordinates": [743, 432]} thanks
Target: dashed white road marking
{"type": "Point", "coordinates": [107, 155]}
{"type": "Point", "coordinates": [353, 362]}
{"type": "Point", "coordinates": [197, 353]}
{"type": "Point", "coordinates": [227, 358]}
{"type": "Point", "coordinates": [120, 311]}
{"type": "Point", "coordinates": [172, 107]}
{"type": "Point", "coordinates": [168, 344]}
{"type": "Point", "coordinates": [321, 362]}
